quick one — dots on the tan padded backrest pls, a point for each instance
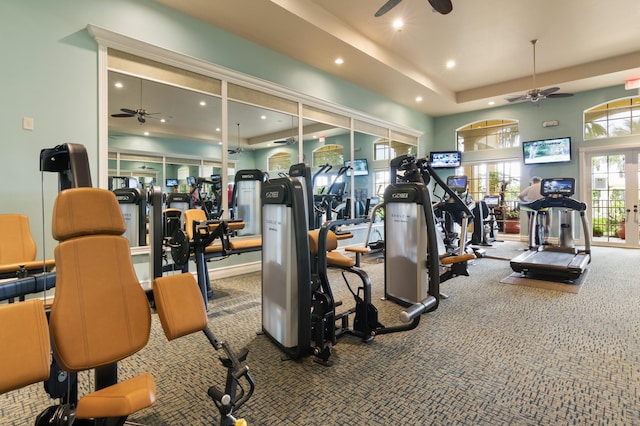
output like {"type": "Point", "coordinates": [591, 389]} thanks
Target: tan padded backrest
{"type": "Point", "coordinates": [86, 211]}
{"type": "Point", "coordinates": [25, 353]}
{"type": "Point", "coordinates": [17, 244]}
{"type": "Point", "coordinates": [190, 216]}
{"type": "Point", "coordinates": [179, 304]}
{"type": "Point", "coordinates": [332, 241]}
{"type": "Point", "coordinates": [100, 314]}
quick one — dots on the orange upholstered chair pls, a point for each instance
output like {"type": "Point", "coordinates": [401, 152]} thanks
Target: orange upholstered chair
{"type": "Point", "coordinates": [25, 353]}
{"type": "Point", "coordinates": [100, 314]}
{"type": "Point", "coordinates": [18, 248]}
{"type": "Point", "coordinates": [181, 311]}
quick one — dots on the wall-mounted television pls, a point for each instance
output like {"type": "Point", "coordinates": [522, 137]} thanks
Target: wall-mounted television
{"type": "Point", "coordinates": [445, 159]}
{"type": "Point", "coordinates": [547, 151]}
{"type": "Point", "coordinates": [359, 167]}
{"type": "Point", "coordinates": [171, 182]}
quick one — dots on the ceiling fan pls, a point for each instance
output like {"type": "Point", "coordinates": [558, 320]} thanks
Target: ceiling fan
{"type": "Point", "coordinates": [145, 167]}
{"type": "Point", "coordinates": [140, 113]}
{"type": "Point", "coordinates": [291, 140]}
{"type": "Point", "coordinates": [535, 95]}
{"type": "Point", "coordinates": [288, 141]}
{"type": "Point", "coordinates": [238, 149]}
{"type": "Point", "coordinates": [440, 6]}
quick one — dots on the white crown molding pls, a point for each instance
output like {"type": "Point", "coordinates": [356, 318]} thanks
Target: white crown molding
{"type": "Point", "coordinates": [152, 52]}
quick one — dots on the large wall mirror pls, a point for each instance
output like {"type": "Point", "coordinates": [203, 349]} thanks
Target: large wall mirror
{"type": "Point", "coordinates": [167, 124]}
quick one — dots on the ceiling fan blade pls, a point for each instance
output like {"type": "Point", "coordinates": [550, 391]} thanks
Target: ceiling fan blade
{"type": "Point", "coordinates": [287, 141]}
{"type": "Point", "coordinates": [387, 7]}
{"type": "Point", "coordinates": [129, 111]}
{"type": "Point", "coordinates": [560, 95]}
{"type": "Point", "coordinates": [547, 92]}
{"type": "Point", "coordinates": [441, 6]}
{"type": "Point", "coordinates": [517, 98]}
{"type": "Point", "coordinates": [123, 115]}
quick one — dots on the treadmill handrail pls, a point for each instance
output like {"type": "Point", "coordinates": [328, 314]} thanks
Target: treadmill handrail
{"type": "Point", "coordinates": [547, 202]}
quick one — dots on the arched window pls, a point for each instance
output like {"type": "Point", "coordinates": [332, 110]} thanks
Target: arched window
{"type": "Point", "coordinates": [488, 134]}
{"type": "Point", "coordinates": [279, 162]}
{"type": "Point", "coordinates": [383, 150]}
{"type": "Point", "coordinates": [613, 119]}
{"type": "Point", "coordinates": [499, 178]}
{"type": "Point", "coordinates": [329, 154]}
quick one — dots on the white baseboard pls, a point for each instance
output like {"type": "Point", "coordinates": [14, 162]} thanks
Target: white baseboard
{"type": "Point", "coordinates": [232, 271]}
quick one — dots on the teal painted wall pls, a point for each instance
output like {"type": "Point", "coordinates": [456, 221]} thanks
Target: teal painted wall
{"type": "Point", "coordinates": [568, 112]}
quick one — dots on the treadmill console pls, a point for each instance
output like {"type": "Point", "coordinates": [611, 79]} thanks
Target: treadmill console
{"type": "Point", "coordinates": [557, 187]}
{"type": "Point", "coordinates": [492, 201]}
{"type": "Point", "coordinates": [457, 184]}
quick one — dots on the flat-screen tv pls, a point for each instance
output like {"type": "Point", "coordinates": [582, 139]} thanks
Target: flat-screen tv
{"type": "Point", "coordinates": [172, 182]}
{"type": "Point", "coordinates": [445, 159]}
{"type": "Point", "coordinates": [547, 151]}
{"type": "Point", "coordinates": [359, 167]}
{"type": "Point", "coordinates": [191, 180]}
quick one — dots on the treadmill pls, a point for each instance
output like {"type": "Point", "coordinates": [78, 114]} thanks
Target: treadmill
{"type": "Point", "coordinates": [563, 262]}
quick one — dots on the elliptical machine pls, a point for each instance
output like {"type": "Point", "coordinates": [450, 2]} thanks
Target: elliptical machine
{"type": "Point", "coordinates": [453, 262]}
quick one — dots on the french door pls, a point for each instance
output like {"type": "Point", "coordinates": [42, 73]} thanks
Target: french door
{"type": "Point", "coordinates": [613, 204]}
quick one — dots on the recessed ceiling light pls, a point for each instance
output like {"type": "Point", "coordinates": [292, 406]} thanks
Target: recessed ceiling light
{"type": "Point", "coordinates": [220, 143]}
{"type": "Point", "coordinates": [217, 130]}
{"type": "Point", "coordinates": [418, 98]}
{"type": "Point", "coordinates": [203, 103]}
{"type": "Point", "coordinates": [263, 117]}
{"type": "Point", "coordinates": [146, 133]}
{"type": "Point", "coordinates": [451, 64]}
{"type": "Point", "coordinates": [398, 24]}
{"type": "Point", "coordinates": [162, 120]}
{"type": "Point", "coordinates": [118, 85]}
{"type": "Point", "coordinates": [339, 61]}
{"type": "Point", "coordinates": [492, 103]}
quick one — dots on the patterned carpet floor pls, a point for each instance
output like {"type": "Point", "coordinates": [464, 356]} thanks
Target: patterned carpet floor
{"type": "Point", "coordinates": [491, 354]}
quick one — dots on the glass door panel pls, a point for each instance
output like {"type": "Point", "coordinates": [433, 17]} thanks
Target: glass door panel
{"type": "Point", "coordinates": [614, 197]}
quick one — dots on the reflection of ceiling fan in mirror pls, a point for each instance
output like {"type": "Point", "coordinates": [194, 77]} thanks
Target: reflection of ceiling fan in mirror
{"type": "Point", "coordinates": [535, 95]}
{"type": "Point", "coordinates": [291, 140]}
{"type": "Point", "coordinates": [141, 114]}
{"type": "Point", "coordinates": [237, 149]}
{"type": "Point", "coordinates": [440, 6]}
{"type": "Point", "coordinates": [144, 167]}
{"type": "Point", "coordinates": [288, 141]}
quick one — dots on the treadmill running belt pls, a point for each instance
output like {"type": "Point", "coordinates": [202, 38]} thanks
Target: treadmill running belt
{"type": "Point", "coordinates": [551, 263]}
